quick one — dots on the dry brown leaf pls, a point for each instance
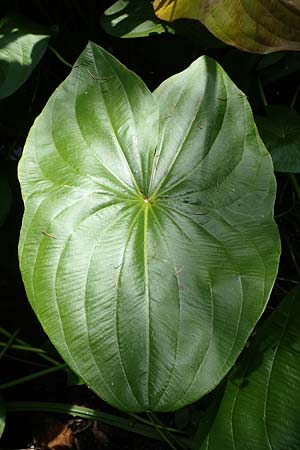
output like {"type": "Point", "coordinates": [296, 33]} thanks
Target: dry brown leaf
{"type": "Point", "coordinates": [53, 434]}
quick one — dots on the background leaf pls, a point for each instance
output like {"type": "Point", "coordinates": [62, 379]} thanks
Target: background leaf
{"type": "Point", "coordinates": [288, 63]}
{"type": "Point", "coordinates": [253, 26]}
{"type": "Point", "coordinates": [280, 131]}
{"type": "Point", "coordinates": [261, 405]}
{"type": "Point", "coordinates": [22, 45]}
{"type": "Point", "coordinates": [136, 18]}
{"type": "Point", "coordinates": [132, 18]}
{"type": "Point", "coordinates": [148, 247]}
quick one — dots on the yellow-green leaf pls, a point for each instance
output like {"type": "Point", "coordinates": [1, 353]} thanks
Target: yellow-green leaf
{"type": "Point", "coordinates": [254, 26]}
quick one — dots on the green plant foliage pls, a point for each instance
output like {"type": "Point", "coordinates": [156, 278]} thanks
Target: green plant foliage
{"type": "Point", "coordinates": [253, 26]}
{"type": "Point", "coordinates": [280, 131]}
{"type": "Point", "coordinates": [148, 247]}
{"type": "Point", "coordinates": [261, 406]}
{"type": "Point", "coordinates": [22, 45]}
{"type": "Point", "coordinates": [5, 196]}
{"type": "Point", "coordinates": [136, 18]}
{"type": "Point", "coordinates": [133, 18]}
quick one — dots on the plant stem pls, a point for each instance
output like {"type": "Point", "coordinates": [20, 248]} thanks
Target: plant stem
{"type": "Point", "coordinates": [288, 280]}
{"type": "Point", "coordinates": [163, 435]}
{"type": "Point", "coordinates": [24, 348]}
{"type": "Point", "coordinates": [8, 343]}
{"type": "Point", "coordinates": [295, 96]}
{"type": "Point", "coordinates": [147, 422]}
{"type": "Point", "coordinates": [32, 376]}
{"type": "Point", "coordinates": [59, 56]}
{"type": "Point", "coordinates": [87, 413]}
{"type": "Point", "coordinates": [25, 361]}
{"type": "Point", "coordinates": [262, 93]}
{"type": "Point", "coordinates": [182, 441]}
{"type": "Point", "coordinates": [27, 347]}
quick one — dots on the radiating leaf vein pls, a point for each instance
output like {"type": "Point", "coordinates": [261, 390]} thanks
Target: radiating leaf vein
{"type": "Point", "coordinates": [119, 145]}
{"type": "Point", "coordinates": [181, 148]}
{"type": "Point", "coordinates": [78, 121]}
{"type": "Point", "coordinates": [130, 229]}
{"type": "Point", "coordinates": [162, 232]}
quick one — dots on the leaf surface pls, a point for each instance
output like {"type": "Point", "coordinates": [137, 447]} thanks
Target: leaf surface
{"type": "Point", "coordinates": [136, 18]}
{"type": "Point", "coordinates": [132, 19]}
{"type": "Point", "coordinates": [261, 405]}
{"type": "Point", "coordinates": [22, 45]}
{"type": "Point", "coordinates": [254, 26]}
{"type": "Point", "coordinates": [280, 131]}
{"type": "Point", "coordinates": [148, 247]}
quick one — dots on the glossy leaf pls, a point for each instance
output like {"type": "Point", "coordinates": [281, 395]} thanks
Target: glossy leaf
{"type": "Point", "coordinates": [254, 26]}
{"type": "Point", "coordinates": [22, 45]}
{"type": "Point", "coordinates": [280, 131]}
{"type": "Point", "coordinates": [261, 405]}
{"type": "Point", "coordinates": [132, 18]}
{"type": "Point", "coordinates": [148, 247]}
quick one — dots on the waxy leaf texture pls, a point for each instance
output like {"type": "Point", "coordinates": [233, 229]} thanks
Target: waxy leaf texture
{"type": "Point", "coordinates": [260, 408]}
{"type": "Point", "coordinates": [148, 247]}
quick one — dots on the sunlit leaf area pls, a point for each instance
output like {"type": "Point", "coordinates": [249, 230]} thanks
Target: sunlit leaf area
{"type": "Point", "coordinates": [149, 225]}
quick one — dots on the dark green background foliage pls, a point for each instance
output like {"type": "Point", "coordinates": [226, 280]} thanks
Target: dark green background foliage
{"type": "Point", "coordinates": [254, 400]}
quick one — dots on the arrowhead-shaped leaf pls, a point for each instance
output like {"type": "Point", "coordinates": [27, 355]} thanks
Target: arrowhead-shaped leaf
{"type": "Point", "coordinates": [261, 405]}
{"type": "Point", "coordinates": [280, 131]}
{"type": "Point", "coordinates": [255, 26]}
{"type": "Point", "coordinates": [22, 45]}
{"type": "Point", "coordinates": [148, 247]}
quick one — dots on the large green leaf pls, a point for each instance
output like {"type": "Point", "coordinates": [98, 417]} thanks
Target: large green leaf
{"type": "Point", "coordinates": [255, 26]}
{"type": "Point", "coordinates": [260, 409]}
{"type": "Point", "coordinates": [280, 131]}
{"type": "Point", "coordinates": [22, 45]}
{"type": "Point", "coordinates": [148, 247]}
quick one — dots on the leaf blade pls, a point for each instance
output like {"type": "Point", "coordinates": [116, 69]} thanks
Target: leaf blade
{"type": "Point", "coordinates": [23, 44]}
{"type": "Point", "coordinates": [280, 132]}
{"type": "Point", "coordinates": [132, 19]}
{"type": "Point", "coordinates": [262, 391]}
{"type": "Point", "coordinates": [139, 259]}
{"type": "Point", "coordinates": [258, 27]}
